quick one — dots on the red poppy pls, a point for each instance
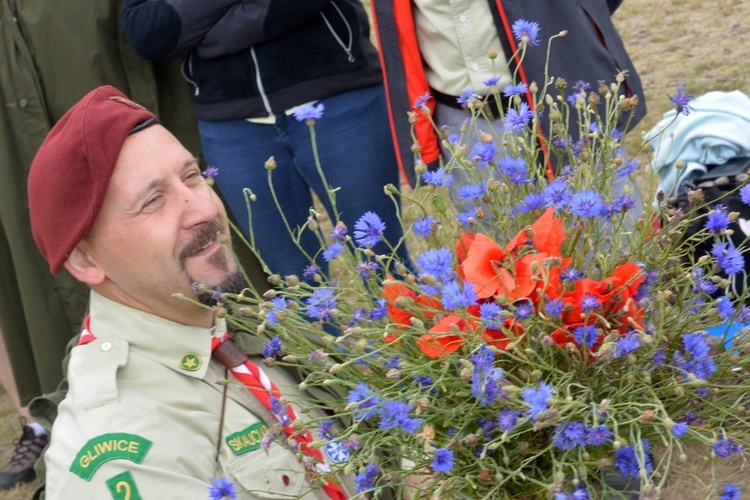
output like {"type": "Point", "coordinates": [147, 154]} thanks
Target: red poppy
{"type": "Point", "coordinates": [442, 339]}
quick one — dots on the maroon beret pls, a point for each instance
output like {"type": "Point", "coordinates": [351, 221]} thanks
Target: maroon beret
{"type": "Point", "coordinates": [71, 171]}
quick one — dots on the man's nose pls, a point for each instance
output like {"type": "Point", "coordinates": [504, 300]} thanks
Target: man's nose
{"type": "Point", "coordinates": [199, 206]}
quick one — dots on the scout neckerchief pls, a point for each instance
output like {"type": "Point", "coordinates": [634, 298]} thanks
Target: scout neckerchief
{"type": "Point", "coordinates": [263, 388]}
{"type": "Point", "coordinates": [259, 385]}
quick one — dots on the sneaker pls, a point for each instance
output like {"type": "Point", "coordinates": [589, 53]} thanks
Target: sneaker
{"type": "Point", "coordinates": [20, 469]}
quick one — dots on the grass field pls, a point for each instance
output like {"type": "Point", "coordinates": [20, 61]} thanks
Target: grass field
{"type": "Point", "coordinates": [701, 44]}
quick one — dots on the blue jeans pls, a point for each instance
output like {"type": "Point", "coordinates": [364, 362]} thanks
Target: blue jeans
{"type": "Point", "coordinates": [356, 154]}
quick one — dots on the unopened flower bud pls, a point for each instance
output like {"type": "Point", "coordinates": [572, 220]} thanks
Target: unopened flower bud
{"type": "Point", "coordinates": [412, 116]}
{"type": "Point", "coordinates": [312, 224]}
{"type": "Point", "coordinates": [492, 53]}
{"type": "Point", "coordinates": [271, 163]}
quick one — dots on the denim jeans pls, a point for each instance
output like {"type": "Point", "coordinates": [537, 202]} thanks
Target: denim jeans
{"type": "Point", "coordinates": [356, 155]}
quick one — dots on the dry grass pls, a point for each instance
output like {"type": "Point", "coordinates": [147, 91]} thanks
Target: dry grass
{"type": "Point", "coordinates": [703, 45]}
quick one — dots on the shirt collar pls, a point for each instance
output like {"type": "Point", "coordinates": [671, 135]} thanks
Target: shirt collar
{"type": "Point", "coordinates": [182, 348]}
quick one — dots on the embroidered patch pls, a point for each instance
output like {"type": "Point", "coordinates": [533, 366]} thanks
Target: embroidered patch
{"type": "Point", "coordinates": [190, 362]}
{"type": "Point", "coordinates": [122, 486]}
{"type": "Point", "coordinates": [336, 452]}
{"type": "Point", "coordinates": [247, 439]}
{"type": "Point", "coordinates": [108, 447]}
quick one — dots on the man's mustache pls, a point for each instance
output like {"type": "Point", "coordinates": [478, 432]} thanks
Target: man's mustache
{"type": "Point", "coordinates": [203, 238]}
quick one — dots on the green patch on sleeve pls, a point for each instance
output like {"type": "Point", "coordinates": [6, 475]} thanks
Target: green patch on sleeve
{"type": "Point", "coordinates": [108, 447]}
{"type": "Point", "coordinates": [123, 487]}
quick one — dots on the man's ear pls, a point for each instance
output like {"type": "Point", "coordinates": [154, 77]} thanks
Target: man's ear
{"type": "Point", "coordinates": [83, 268]}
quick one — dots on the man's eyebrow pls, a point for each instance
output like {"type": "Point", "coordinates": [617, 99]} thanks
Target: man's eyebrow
{"type": "Point", "coordinates": [134, 206]}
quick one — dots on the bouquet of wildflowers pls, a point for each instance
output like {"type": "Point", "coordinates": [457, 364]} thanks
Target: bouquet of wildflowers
{"type": "Point", "coordinates": [550, 337]}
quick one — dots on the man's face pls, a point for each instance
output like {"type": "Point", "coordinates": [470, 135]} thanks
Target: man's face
{"type": "Point", "coordinates": [159, 230]}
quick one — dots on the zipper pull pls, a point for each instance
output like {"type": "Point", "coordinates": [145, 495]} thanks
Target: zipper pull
{"type": "Point", "coordinates": [196, 91]}
{"type": "Point", "coordinates": [350, 56]}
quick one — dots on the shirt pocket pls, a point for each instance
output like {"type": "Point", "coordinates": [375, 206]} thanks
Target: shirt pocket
{"type": "Point", "coordinates": [276, 474]}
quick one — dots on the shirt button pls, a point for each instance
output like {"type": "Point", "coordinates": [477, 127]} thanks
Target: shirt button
{"type": "Point", "coordinates": [106, 346]}
{"type": "Point", "coordinates": [23, 103]}
{"type": "Point", "coordinates": [475, 67]}
{"type": "Point", "coordinates": [462, 19]}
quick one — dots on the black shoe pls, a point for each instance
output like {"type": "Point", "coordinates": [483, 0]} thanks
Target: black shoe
{"type": "Point", "coordinates": [20, 469]}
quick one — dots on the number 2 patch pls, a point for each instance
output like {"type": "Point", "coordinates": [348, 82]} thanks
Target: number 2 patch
{"type": "Point", "coordinates": [123, 487]}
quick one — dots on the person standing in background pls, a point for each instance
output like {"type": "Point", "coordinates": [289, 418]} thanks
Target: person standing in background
{"type": "Point", "coordinates": [51, 56]}
{"type": "Point", "coordinates": [443, 46]}
{"type": "Point", "coordinates": [251, 64]}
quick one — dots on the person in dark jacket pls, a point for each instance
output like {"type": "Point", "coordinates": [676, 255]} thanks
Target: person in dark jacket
{"type": "Point", "coordinates": [431, 46]}
{"type": "Point", "coordinates": [251, 64]}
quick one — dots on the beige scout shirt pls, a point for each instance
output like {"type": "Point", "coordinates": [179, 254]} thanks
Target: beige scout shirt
{"type": "Point", "coordinates": [142, 418]}
{"type": "Point", "coordinates": [455, 37]}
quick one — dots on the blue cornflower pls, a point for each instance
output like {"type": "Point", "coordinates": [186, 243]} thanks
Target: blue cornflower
{"type": "Point", "coordinates": [681, 101]}
{"type": "Point", "coordinates": [272, 347]}
{"type": "Point", "coordinates": [338, 233]}
{"type": "Point", "coordinates": [696, 344]}
{"type": "Point", "coordinates": [745, 194]}
{"type": "Point", "coordinates": [581, 493]}
{"type": "Point", "coordinates": [515, 169]}
{"type": "Point", "coordinates": [310, 271]}
{"type": "Point", "coordinates": [724, 307]}
{"type": "Point", "coordinates": [554, 308]}
{"type": "Point", "coordinates": [679, 429]}
{"type": "Point", "coordinates": [420, 101]}
{"type": "Point", "coordinates": [581, 86]}
{"type": "Point", "coordinates": [308, 112]}
{"type": "Point", "coordinates": [516, 121]}
{"type": "Point", "coordinates": [527, 31]}
{"type": "Point", "coordinates": [379, 311]}
{"type": "Point", "coordinates": [222, 488]}
{"type": "Point", "coordinates": [396, 414]}
{"type": "Point", "coordinates": [364, 481]}
{"type": "Point", "coordinates": [321, 303]}
{"type": "Point", "coordinates": [455, 296]}
{"type": "Point", "coordinates": [571, 275]}
{"type": "Point", "coordinates": [423, 226]}
{"type": "Point", "coordinates": [437, 262]}
{"type": "Point", "coordinates": [483, 153]}
{"type": "Point", "coordinates": [731, 492]}
{"type": "Point", "coordinates": [438, 178]}
{"type": "Point", "coordinates": [626, 168]}
{"type": "Point", "coordinates": [659, 358]}
{"type": "Point", "coordinates": [523, 310]}
{"type": "Point", "coordinates": [744, 315]}
{"type": "Point", "coordinates": [333, 251]}
{"type": "Point", "coordinates": [489, 313]}
{"type": "Point", "coordinates": [594, 127]}
{"type": "Point", "coordinates": [279, 411]}
{"type": "Point", "coordinates": [532, 201]}
{"type": "Point", "coordinates": [537, 399]}
{"type": "Point", "coordinates": [627, 462]}
{"type": "Point", "coordinates": [466, 96]}
{"type": "Point", "coordinates": [586, 204]}
{"type": "Point", "coordinates": [368, 229]}
{"type": "Point", "coordinates": [705, 286]}
{"type": "Point", "coordinates": [573, 98]}
{"type": "Point", "coordinates": [466, 217]}
{"type": "Point", "coordinates": [585, 335]}
{"type": "Point", "coordinates": [725, 448]}
{"type": "Point", "coordinates": [444, 460]}
{"type": "Point", "coordinates": [728, 258]}
{"type": "Point", "coordinates": [365, 400]}
{"type": "Point", "coordinates": [589, 303]}
{"type": "Point", "coordinates": [569, 436]}
{"type": "Point", "coordinates": [627, 344]}
{"type": "Point", "coordinates": [485, 378]}
{"type": "Point", "coordinates": [393, 362]}
{"type": "Point", "coordinates": [470, 191]}
{"type": "Point", "coordinates": [599, 436]}
{"type": "Point", "coordinates": [557, 194]}
{"type": "Point", "coordinates": [482, 359]}
{"type": "Point", "coordinates": [507, 420]}
{"type": "Point", "coordinates": [718, 219]}
{"type": "Point", "coordinates": [210, 172]}
{"type": "Point", "coordinates": [325, 430]}
{"type": "Point", "coordinates": [491, 81]}
{"type": "Point", "coordinates": [512, 90]}
{"type": "Point", "coordinates": [272, 316]}
{"type": "Point", "coordinates": [368, 269]}
{"type": "Point", "coordinates": [352, 444]}
{"type": "Point", "coordinates": [423, 381]}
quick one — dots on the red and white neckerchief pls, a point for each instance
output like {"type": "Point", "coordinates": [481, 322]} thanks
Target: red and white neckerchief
{"type": "Point", "coordinates": [263, 388]}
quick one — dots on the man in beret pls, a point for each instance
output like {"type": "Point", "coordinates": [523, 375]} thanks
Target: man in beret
{"type": "Point", "coordinates": [118, 202]}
